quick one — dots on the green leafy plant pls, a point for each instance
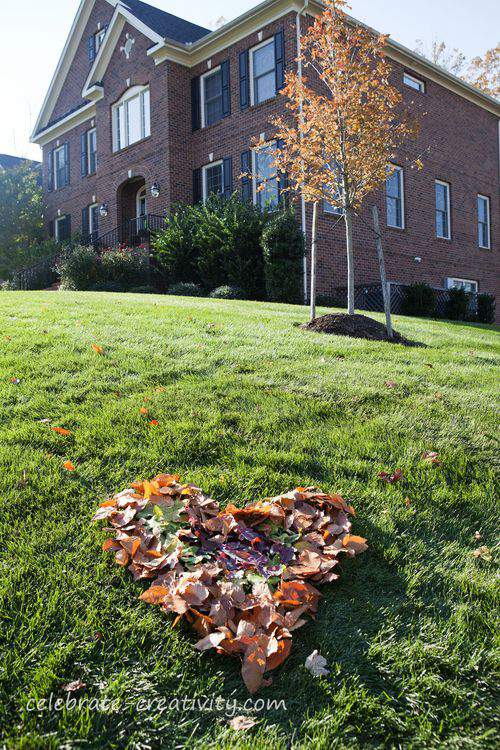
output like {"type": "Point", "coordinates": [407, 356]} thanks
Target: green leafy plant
{"type": "Point", "coordinates": [486, 308]}
{"type": "Point", "coordinates": [175, 246]}
{"type": "Point", "coordinates": [458, 305]}
{"type": "Point", "coordinates": [227, 292]}
{"type": "Point", "coordinates": [79, 268]}
{"type": "Point", "coordinates": [125, 267]}
{"type": "Point", "coordinates": [21, 219]}
{"type": "Point", "coordinates": [283, 250]}
{"type": "Point", "coordinates": [419, 300]}
{"type": "Point", "coordinates": [186, 289]}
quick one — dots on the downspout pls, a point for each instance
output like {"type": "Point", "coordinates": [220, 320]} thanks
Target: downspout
{"type": "Point", "coordinates": [302, 200]}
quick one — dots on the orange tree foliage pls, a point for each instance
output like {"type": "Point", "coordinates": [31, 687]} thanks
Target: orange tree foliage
{"type": "Point", "coordinates": [484, 72]}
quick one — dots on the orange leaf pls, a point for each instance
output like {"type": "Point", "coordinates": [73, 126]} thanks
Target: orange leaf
{"type": "Point", "coordinates": [143, 410]}
{"type": "Point", "coordinates": [98, 349]}
{"type": "Point", "coordinates": [154, 422]}
{"type": "Point", "coordinates": [61, 430]}
{"type": "Point", "coordinates": [154, 595]}
{"type": "Point", "coordinates": [68, 466]}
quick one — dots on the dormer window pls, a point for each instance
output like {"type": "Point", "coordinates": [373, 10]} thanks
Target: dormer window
{"type": "Point", "coordinates": [131, 118]}
{"type": "Point", "coordinates": [95, 43]}
{"type": "Point", "coordinates": [98, 39]}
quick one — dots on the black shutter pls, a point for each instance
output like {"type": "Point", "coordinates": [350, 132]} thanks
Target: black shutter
{"type": "Point", "coordinates": [66, 164]}
{"type": "Point", "coordinates": [279, 56]}
{"type": "Point", "coordinates": [84, 160]}
{"type": "Point", "coordinates": [227, 174]}
{"type": "Point", "coordinates": [197, 186]}
{"type": "Point", "coordinates": [91, 48]}
{"type": "Point", "coordinates": [51, 228]}
{"type": "Point", "coordinates": [244, 81]}
{"type": "Point", "coordinates": [246, 180]}
{"type": "Point", "coordinates": [195, 103]}
{"type": "Point", "coordinates": [226, 88]}
{"type": "Point", "coordinates": [85, 223]}
{"type": "Point", "coordinates": [283, 178]}
{"type": "Point", "coordinates": [50, 171]}
{"type": "Point", "coordinates": [67, 227]}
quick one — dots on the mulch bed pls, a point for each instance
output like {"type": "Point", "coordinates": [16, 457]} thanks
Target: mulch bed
{"type": "Point", "coordinates": [355, 326]}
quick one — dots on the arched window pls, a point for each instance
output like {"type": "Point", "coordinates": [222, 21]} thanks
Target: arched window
{"type": "Point", "coordinates": [131, 117]}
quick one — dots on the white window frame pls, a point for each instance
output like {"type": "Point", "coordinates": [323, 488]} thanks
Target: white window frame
{"type": "Point", "coordinates": [56, 151]}
{"type": "Point", "coordinates": [202, 93]}
{"type": "Point", "coordinates": [57, 221]}
{"type": "Point", "coordinates": [204, 183]}
{"type": "Point", "coordinates": [261, 147]}
{"type": "Point", "coordinates": [409, 80]}
{"type": "Point", "coordinates": [488, 221]}
{"type": "Point", "coordinates": [397, 168]}
{"type": "Point", "coordinates": [133, 93]}
{"type": "Point", "coordinates": [448, 208]}
{"type": "Point", "coordinates": [89, 134]}
{"type": "Point", "coordinates": [93, 228]}
{"type": "Point", "coordinates": [98, 39]}
{"type": "Point", "coordinates": [450, 283]}
{"type": "Point", "coordinates": [250, 70]}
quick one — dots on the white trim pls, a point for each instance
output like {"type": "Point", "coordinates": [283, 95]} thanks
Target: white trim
{"type": "Point", "coordinates": [451, 279]}
{"type": "Point", "coordinates": [67, 123]}
{"type": "Point", "coordinates": [57, 221]}
{"type": "Point", "coordinates": [204, 170]}
{"type": "Point", "coordinates": [400, 170]}
{"type": "Point", "coordinates": [53, 156]}
{"type": "Point", "coordinates": [420, 87]}
{"type": "Point", "coordinates": [89, 133]}
{"type": "Point", "coordinates": [265, 43]}
{"type": "Point", "coordinates": [488, 220]}
{"type": "Point", "coordinates": [448, 208]}
{"type": "Point", "coordinates": [202, 92]}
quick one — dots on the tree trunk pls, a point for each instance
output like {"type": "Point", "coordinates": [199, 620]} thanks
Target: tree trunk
{"type": "Point", "coordinates": [381, 263]}
{"type": "Point", "coordinates": [350, 262]}
{"type": "Point", "coordinates": [313, 260]}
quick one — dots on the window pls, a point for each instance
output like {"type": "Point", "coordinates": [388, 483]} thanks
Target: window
{"type": "Point", "coordinates": [265, 184]}
{"type": "Point", "coordinates": [91, 151]}
{"type": "Point", "coordinates": [61, 167]}
{"type": "Point", "coordinates": [414, 83]}
{"type": "Point", "coordinates": [131, 118]}
{"type": "Point", "coordinates": [263, 72]}
{"type": "Point", "coordinates": [98, 40]}
{"type": "Point", "coordinates": [94, 221]}
{"type": "Point", "coordinates": [466, 284]}
{"type": "Point", "coordinates": [211, 97]}
{"type": "Point", "coordinates": [483, 221]}
{"type": "Point", "coordinates": [213, 180]}
{"type": "Point", "coordinates": [62, 228]}
{"type": "Point", "coordinates": [443, 229]}
{"type": "Point", "coordinates": [332, 208]}
{"type": "Point", "coordinates": [394, 197]}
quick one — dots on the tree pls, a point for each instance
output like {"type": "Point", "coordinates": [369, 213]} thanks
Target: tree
{"type": "Point", "coordinates": [346, 121]}
{"type": "Point", "coordinates": [440, 54]}
{"type": "Point", "coordinates": [21, 217]}
{"type": "Point", "coordinates": [481, 72]}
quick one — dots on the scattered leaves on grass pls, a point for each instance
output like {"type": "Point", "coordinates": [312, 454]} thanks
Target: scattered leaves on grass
{"type": "Point", "coordinates": [391, 478]}
{"type": "Point", "coordinates": [154, 423]}
{"type": "Point", "coordinates": [72, 687]}
{"type": "Point", "coordinates": [316, 665]}
{"type": "Point", "coordinates": [484, 553]}
{"type": "Point", "coordinates": [61, 431]}
{"type": "Point", "coordinates": [242, 577]}
{"type": "Point", "coordinates": [242, 723]}
{"type": "Point", "coordinates": [431, 457]}
{"type": "Point", "coordinates": [98, 349]}
{"type": "Point", "coordinates": [68, 466]}
{"type": "Point", "coordinates": [15, 381]}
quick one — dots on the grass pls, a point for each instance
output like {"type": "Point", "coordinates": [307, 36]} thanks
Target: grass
{"type": "Point", "coordinates": [248, 405]}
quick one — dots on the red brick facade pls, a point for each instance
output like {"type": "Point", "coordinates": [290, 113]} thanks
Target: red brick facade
{"type": "Point", "coordinates": [459, 141]}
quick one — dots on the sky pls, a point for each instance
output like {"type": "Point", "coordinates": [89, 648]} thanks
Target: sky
{"type": "Point", "coordinates": [34, 33]}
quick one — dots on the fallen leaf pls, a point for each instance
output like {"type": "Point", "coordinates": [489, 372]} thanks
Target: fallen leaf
{"type": "Point", "coordinates": [478, 535]}
{"type": "Point", "coordinates": [143, 410]}
{"type": "Point", "coordinates": [15, 381]}
{"type": "Point", "coordinates": [391, 478]}
{"type": "Point", "coordinates": [316, 665]}
{"type": "Point", "coordinates": [438, 395]}
{"type": "Point", "coordinates": [154, 422]}
{"type": "Point", "coordinates": [72, 687]}
{"type": "Point", "coordinates": [428, 364]}
{"type": "Point", "coordinates": [68, 466]}
{"type": "Point", "coordinates": [98, 349]}
{"type": "Point", "coordinates": [44, 421]}
{"type": "Point", "coordinates": [484, 553]}
{"type": "Point", "coordinates": [61, 430]}
{"type": "Point", "coordinates": [242, 723]}
{"type": "Point", "coordinates": [431, 457]}
{"type": "Point", "coordinates": [390, 384]}
{"type": "Point", "coordinates": [407, 502]}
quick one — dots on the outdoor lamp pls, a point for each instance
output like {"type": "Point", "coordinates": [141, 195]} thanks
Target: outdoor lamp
{"type": "Point", "coordinates": [155, 190]}
{"type": "Point", "coordinates": [103, 209]}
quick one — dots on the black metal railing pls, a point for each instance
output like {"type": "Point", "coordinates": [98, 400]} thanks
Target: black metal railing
{"type": "Point", "coordinates": [131, 233]}
{"type": "Point", "coordinates": [40, 275]}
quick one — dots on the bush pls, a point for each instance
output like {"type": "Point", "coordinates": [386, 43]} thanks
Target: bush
{"type": "Point", "coordinates": [283, 251]}
{"type": "Point", "coordinates": [186, 289]}
{"type": "Point", "coordinates": [419, 300]}
{"type": "Point", "coordinates": [327, 300]}
{"type": "Point", "coordinates": [125, 267]}
{"type": "Point", "coordinates": [79, 269]}
{"type": "Point", "coordinates": [143, 290]}
{"type": "Point", "coordinates": [106, 286]}
{"type": "Point", "coordinates": [228, 236]}
{"type": "Point", "coordinates": [486, 308]}
{"type": "Point", "coordinates": [458, 305]}
{"type": "Point", "coordinates": [175, 246]}
{"type": "Point", "coordinates": [8, 286]}
{"type": "Point", "coordinates": [227, 292]}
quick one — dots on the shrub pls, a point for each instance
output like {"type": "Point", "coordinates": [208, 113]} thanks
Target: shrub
{"type": "Point", "coordinates": [283, 251]}
{"type": "Point", "coordinates": [8, 286]}
{"type": "Point", "coordinates": [227, 292]}
{"type": "Point", "coordinates": [143, 290]}
{"type": "Point", "coordinates": [486, 308]}
{"type": "Point", "coordinates": [458, 305]}
{"type": "Point", "coordinates": [175, 246]}
{"type": "Point", "coordinates": [228, 235]}
{"type": "Point", "coordinates": [186, 289]}
{"type": "Point", "coordinates": [327, 300]}
{"type": "Point", "coordinates": [420, 300]}
{"type": "Point", "coordinates": [125, 267]}
{"type": "Point", "coordinates": [106, 286]}
{"type": "Point", "coordinates": [79, 269]}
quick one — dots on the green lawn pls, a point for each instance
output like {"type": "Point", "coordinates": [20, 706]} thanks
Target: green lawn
{"type": "Point", "coordinates": [248, 405]}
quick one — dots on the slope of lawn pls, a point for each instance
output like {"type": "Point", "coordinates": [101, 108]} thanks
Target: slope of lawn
{"type": "Point", "coordinates": [248, 405]}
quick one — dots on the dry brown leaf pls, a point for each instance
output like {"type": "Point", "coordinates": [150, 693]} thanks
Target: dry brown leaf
{"type": "Point", "coordinates": [242, 723]}
{"type": "Point", "coordinates": [72, 687]}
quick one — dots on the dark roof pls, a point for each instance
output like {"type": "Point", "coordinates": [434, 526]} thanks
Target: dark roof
{"type": "Point", "coordinates": [165, 24]}
{"type": "Point", "coordinates": [11, 162]}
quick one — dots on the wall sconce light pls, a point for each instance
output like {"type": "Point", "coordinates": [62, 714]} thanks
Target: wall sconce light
{"type": "Point", "coordinates": [103, 210]}
{"type": "Point", "coordinates": [155, 190]}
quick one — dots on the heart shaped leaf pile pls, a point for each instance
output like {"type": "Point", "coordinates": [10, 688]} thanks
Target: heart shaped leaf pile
{"type": "Point", "coordinates": [241, 576]}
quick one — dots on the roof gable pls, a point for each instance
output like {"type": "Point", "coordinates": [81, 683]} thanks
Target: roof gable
{"type": "Point", "coordinates": [165, 24]}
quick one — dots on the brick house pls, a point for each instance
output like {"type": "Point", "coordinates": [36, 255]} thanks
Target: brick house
{"type": "Point", "coordinates": [145, 110]}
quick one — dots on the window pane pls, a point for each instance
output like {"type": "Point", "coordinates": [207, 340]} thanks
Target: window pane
{"type": "Point", "coordinates": [213, 111]}
{"type": "Point", "coordinates": [265, 87]}
{"type": "Point", "coordinates": [146, 114]}
{"type": "Point", "coordinates": [121, 127]}
{"type": "Point", "coordinates": [394, 184]}
{"type": "Point", "coordinates": [263, 59]}
{"type": "Point", "coordinates": [93, 219]}
{"type": "Point", "coordinates": [268, 195]}
{"type": "Point", "coordinates": [213, 176]}
{"type": "Point", "coordinates": [134, 120]}
{"type": "Point", "coordinates": [213, 85]}
{"type": "Point", "coordinates": [441, 202]}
